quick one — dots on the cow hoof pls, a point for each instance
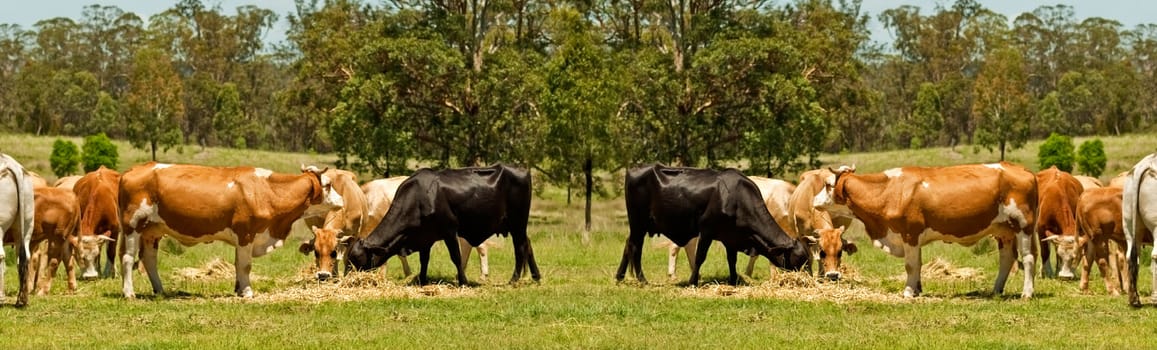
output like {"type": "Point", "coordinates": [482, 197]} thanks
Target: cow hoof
{"type": "Point", "coordinates": [246, 293]}
{"type": "Point", "coordinates": [910, 292]}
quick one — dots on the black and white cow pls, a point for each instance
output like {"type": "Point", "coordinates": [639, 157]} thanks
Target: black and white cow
{"type": "Point", "coordinates": [443, 205]}
{"type": "Point", "coordinates": [688, 204]}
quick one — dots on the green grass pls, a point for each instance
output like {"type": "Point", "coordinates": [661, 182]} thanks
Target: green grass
{"type": "Point", "coordinates": [578, 304]}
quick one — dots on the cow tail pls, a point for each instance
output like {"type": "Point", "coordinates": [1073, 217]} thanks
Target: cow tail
{"type": "Point", "coordinates": [23, 197]}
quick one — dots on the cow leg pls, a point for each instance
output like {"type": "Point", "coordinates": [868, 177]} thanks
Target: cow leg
{"type": "Point", "coordinates": [732, 257]}
{"type": "Point", "coordinates": [672, 259]}
{"type": "Point", "coordinates": [700, 255]}
{"type": "Point", "coordinates": [484, 260]}
{"type": "Point", "coordinates": [424, 264]}
{"type": "Point", "coordinates": [464, 250]}
{"type": "Point", "coordinates": [129, 247]}
{"type": "Point", "coordinates": [1116, 263]}
{"type": "Point", "coordinates": [243, 264]}
{"type": "Point", "coordinates": [405, 265]}
{"type": "Point", "coordinates": [39, 262]}
{"type": "Point", "coordinates": [751, 264]}
{"type": "Point", "coordinates": [690, 250]}
{"type": "Point", "coordinates": [631, 256]}
{"type": "Point", "coordinates": [1104, 263]}
{"type": "Point", "coordinates": [1090, 254]}
{"type": "Point", "coordinates": [1025, 247]}
{"type": "Point", "coordinates": [52, 263]}
{"type": "Point", "coordinates": [1153, 270]}
{"type": "Point", "coordinates": [149, 258]}
{"type": "Point", "coordinates": [110, 255]}
{"type": "Point", "coordinates": [522, 244]}
{"type": "Point", "coordinates": [69, 265]}
{"type": "Point", "coordinates": [1045, 252]}
{"type": "Point", "coordinates": [453, 246]}
{"type": "Point", "coordinates": [912, 265]}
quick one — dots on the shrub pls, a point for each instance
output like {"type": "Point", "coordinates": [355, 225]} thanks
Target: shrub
{"type": "Point", "coordinates": [99, 150]}
{"type": "Point", "coordinates": [1091, 158]}
{"type": "Point", "coordinates": [64, 159]}
{"type": "Point", "coordinates": [1057, 150]}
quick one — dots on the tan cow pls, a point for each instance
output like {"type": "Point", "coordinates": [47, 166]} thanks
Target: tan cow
{"type": "Point", "coordinates": [906, 208]}
{"type": "Point", "coordinates": [250, 208]}
{"type": "Point", "coordinates": [54, 230]}
{"type": "Point", "coordinates": [329, 228]}
{"type": "Point", "coordinates": [100, 221]}
{"type": "Point", "coordinates": [775, 194]}
{"type": "Point", "coordinates": [67, 182]}
{"type": "Point", "coordinates": [37, 180]}
{"type": "Point", "coordinates": [1056, 222]}
{"type": "Point", "coordinates": [1119, 180]}
{"type": "Point", "coordinates": [1099, 216]}
{"type": "Point", "coordinates": [823, 228]}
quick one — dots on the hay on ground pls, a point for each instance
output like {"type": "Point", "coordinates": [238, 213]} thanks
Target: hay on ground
{"type": "Point", "coordinates": [800, 286]}
{"type": "Point", "coordinates": [216, 269]}
{"type": "Point", "coordinates": [942, 269]}
{"type": "Point", "coordinates": [354, 286]}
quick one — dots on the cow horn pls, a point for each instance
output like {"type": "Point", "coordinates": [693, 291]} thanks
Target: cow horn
{"type": "Point", "coordinates": [303, 167]}
{"type": "Point", "coordinates": [106, 238]}
{"type": "Point", "coordinates": [1051, 238]}
{"type": "Point", "coordinates": [811, 239]}
{"type": "Point", "coordinates": [345, 239]}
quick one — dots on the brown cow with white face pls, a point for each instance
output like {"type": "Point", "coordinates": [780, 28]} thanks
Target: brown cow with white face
{"type": "Point", "coordinates": [54, 230]}
{"type": "Point", "coordinates": [1058, 193]}
{"type": "Point", "coordinates": [100, 222]}
{"type": "Point", "coordinates": [332, 226]}
{"type": "Point", "coordinates": [823, 229]}
{"type": "Point", "coordinates": [906, 208]}
{"type": "Point", "coordinates": [250, 208]}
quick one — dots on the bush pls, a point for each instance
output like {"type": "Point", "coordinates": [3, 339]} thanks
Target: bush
{"type": "Point", "coordinates": [1091, 158]}
{"type": "Point", "coordinates": [1057, 151]}
{"type": "Point", "coordinates": [99, 150]}
{"type": "Point", "coordinates": [65, 157]}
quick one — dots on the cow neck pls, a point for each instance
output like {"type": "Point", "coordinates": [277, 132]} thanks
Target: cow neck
{"type": "Point", "coordinates": [294, 193]}
{"type": "Point", "coordinates": [861, 193]}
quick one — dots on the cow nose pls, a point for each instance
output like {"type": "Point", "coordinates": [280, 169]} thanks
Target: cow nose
{"type": "Point", "coordinates": [1066, 274]}
{"type": "Point", "coordinates": [90, 273]}
{"type": "Point", "coordinates": [833, 275]}
{"type": "Point", "coordinates": [323, 275]}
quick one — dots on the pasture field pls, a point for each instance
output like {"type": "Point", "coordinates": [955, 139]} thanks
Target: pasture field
{"type": "Point", "coordinates": [578, 304]}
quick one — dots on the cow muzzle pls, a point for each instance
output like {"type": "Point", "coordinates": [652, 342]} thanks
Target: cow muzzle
{"type": "Point", "coordinates": [833, 275]}
{"type": "Point", "coordinates": [323, 276]}
{"type": "Point", "coordinates": [90, 272]}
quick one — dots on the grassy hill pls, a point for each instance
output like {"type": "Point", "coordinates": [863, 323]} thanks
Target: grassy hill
{"type": "Point", "coordinates": [578, 304]}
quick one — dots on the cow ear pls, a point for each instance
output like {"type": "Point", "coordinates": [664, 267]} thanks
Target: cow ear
{"type": "Point", "coordinates": [306, 247]}
{"type": "Point", "coordinates": [850, 247]}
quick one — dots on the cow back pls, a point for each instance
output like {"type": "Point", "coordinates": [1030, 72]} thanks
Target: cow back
{"type": "Point", "coordinates": [1058, 193]}
{"type": "Point", "coordinates": [57, 212]}
{"type": "Point", "coordinates": [1099, 213]}
{"type": "Point", "coordinates": [96, 195]}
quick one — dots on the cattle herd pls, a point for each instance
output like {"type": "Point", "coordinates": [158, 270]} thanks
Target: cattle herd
{"type": "Point", "coordinates": [794, 226]}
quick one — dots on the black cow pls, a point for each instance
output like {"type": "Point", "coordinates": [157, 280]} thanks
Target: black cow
{"type": "Point", "coordinates": [442, 205]}
{"type": "Point", "coordinates": [685, 203]}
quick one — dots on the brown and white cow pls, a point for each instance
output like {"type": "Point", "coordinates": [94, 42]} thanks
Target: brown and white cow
{"type": "Point", "coordinates": [67, 182]}
{"type": "Point", "coordinates": [332, 226]}
{"type": "Point", "coordinates": [906, 208]}
{"type": "Point", "coordinates": [1089, 182]}
{"type": "Point", "coordinates": [1056, 222]}
{"type": "Point", "coordinates": [824, 229]}
{"type": "Point", "coordinates": [100, 221]}
{"type": "Point", "coordinates": [250, 208]}
{"type": "Point", "coordinates": [17, 215]}
{"type": "Point", "coordinates": [1099, 217]}
{"type": "Point", "coordinates": [54, 230]}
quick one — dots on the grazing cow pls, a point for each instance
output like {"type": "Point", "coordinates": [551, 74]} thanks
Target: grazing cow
{"type": "Point", "coordinates": [906, 208]}
{"type": "Point", "coordinates": [775, 195]}
{"type": "Point", "coordinates": [330, 227]}
{"type": "Point", "coordinates": [67, 182]}
{"type": "Point", "coordinates": [100, 221]}
{"type": "Point", "coordinates": [1099, 216]}
{"type": "Point", "coordinates": [468, 203]}
{"type": "Point", "coordinates": [822, 228]}
{"type": "Point", "coordinates": [17, 215]}
{"type": "Point", "coordinates": [685, 203]}
{"type": "Point", "coordinates": [250, 208]}
{"type": "Point", "coordinates": [1056, 221]}
{"type": "Point", "coordinates": [54, 230]}
{"type": "Point", "coordinates": [1088, 182]}
{"type": "Point", "coordinates": [1139, 217]}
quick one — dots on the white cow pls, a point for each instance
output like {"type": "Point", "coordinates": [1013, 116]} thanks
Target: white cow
{"type": "Point", "coordinates": [1139, 216]}
{"type": "Point", "coordinates": [17, 215]}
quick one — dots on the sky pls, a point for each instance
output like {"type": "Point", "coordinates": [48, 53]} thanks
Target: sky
{"type": "Point", "coordinates": [1129, 12]}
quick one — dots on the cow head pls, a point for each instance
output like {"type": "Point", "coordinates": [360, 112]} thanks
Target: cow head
{"type": "Point", "coordinates": [1066, 253]}
{"type": "Point", "coordinates": [327, 250]}
{"type": "Point", "coordinates": [325, 197]}
{"type": "Point", "coordinates": [87, 252]}
{"type": "Point", "coordinates": [832, 194]}
{"type": "Point", "coordinates": [362, 257]}
{"type": "Point", "coordinates": [830, 246]}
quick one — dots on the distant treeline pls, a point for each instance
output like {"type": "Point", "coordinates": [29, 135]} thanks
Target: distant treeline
{"type": "Point", "coordinates": [568, 87]}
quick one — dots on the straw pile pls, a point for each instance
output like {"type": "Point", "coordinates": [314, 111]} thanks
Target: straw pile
{"type": "Point", "coordinates": [941, 269]}
{"type": "Point", "coordinates": [800, 286]}
{"type": "Point", "coordinates": [213, 270]}
{"type": "Point", "coordinates": [354, 286]}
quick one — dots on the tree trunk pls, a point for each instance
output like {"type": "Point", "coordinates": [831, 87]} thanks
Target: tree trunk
{"type": "Point", "coordinates": [568, 187]}
{"type": "Point", "coordinates": [153, 146]}
{"type": "Point", "coordinates": [1002, 151]}
{"type": "Point", "coordinates": [587, 169]}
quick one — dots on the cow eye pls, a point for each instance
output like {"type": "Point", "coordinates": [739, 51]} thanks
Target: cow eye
{"type": "Point", "coordinates": [333, 254]}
